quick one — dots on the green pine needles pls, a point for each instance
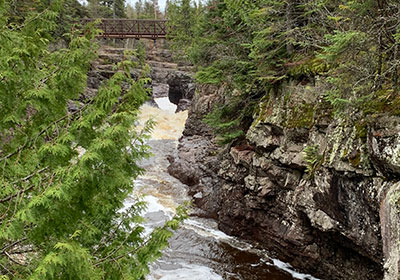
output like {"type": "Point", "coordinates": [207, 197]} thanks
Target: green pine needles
{"type": "Point", "coordinates": [65, 174]}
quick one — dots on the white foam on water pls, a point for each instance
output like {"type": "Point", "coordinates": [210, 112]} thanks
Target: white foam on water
{"type": "Point", "coordinates": [129, 201]}
{"type": "Point", "coordinates": [164, 104]}
{"type": "Point", "coordinates": [288, 268]}
{"type": "Point", "coordinates": [206, 231]}
{"type": "Point", "coordinates": [153, 205]}
{"type": "Point", "coordinates": [168, 124]}
{"type": "Point", "coordinates": [187, 272]}
{"type": "Point", "coordinates": [202, 230]}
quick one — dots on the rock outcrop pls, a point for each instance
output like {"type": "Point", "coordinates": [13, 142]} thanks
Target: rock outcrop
{"type": "Point", "coordinates": [336, 218]}
{"type": "Point", "coordinates": [168, 79]}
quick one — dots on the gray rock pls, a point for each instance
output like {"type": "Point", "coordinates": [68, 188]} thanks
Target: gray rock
{"type": "Point", "coordinates": [384, 146]}
{"type": "Point", "coordinates": [322, 221]}
{"type": "Point", "coordinates": [328, 226]}
{"type": "Point", "coordinates": [264, 135]}
{"type": "Point", "coordinates": [390, 228]}
{"type": "Point", "coordinates": [160, 90]}
{"type": "Point", "coordinates": [183, 105]}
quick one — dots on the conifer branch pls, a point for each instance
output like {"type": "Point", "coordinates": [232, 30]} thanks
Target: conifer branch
{"type": "Point", "coordinates": [113, 251]}
{"type": "Point", "coordinates": [24, 190]}
{"type": "Point", "coordinates": [70, 192]}
{"type": "Point", "coordinates": [28, 21]}
{"type": "Point", "coordinates": [28, 143]}
{"type": "Point", "coordinates": [109, 237]}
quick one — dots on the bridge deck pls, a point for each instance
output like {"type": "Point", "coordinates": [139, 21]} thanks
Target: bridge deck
{"type": "Point", "coordinates": [131, 28]}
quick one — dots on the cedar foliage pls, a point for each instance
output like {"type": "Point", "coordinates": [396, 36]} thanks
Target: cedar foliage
{"type": "Point", "coordinates": [65, 174]}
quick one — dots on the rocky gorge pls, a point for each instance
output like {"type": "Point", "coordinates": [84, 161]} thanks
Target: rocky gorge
{"type": "Point", "coordinates": [321, 194]}
{"type": "Point", "coordinates": [318, 193]}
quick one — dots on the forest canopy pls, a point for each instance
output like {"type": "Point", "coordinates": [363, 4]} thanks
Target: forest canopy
{"type": "Point", "coordinates": [351, 47]}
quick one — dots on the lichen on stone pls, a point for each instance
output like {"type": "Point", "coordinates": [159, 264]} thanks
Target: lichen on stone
{"type": "Point", "coordinates": [300, 116]}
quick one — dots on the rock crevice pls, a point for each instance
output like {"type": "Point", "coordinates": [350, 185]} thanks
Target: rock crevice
{"type": "Point", "coordinates": [334, 220]}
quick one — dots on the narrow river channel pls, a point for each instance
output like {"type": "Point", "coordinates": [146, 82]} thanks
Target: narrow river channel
{"type": "Point", "coordinates": [198, 250]}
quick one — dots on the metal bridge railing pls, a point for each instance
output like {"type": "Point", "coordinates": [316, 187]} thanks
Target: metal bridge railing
{"type": "Point", "coordinates": [131, 28]}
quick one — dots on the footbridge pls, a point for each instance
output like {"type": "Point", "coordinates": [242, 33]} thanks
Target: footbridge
{"type": "Point", "coordinates": [131, 28]}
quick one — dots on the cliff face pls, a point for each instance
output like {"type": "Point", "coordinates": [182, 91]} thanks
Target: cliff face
{"type": "Point", "coordinates": [334, 215]}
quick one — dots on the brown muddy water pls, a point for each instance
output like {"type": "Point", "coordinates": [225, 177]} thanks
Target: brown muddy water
{"type": "Point", "coordinates": [198, 250]}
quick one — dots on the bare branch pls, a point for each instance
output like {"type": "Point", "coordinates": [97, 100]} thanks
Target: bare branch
{"type": "Point", "coordinates": [11, 259]}
{"type": "Point", "coordinates": [12, 244]}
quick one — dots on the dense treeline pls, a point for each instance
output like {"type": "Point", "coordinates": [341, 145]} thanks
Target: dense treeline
{"type": "Point", "coordinates": [73, 10]}
{"type": "Point", "coordinates": [254, 47]}
{"type": "Point", "coordinates": [65, 173]}
{"type": "Point", "coordinates": [147, 9]}
{"type": "Point", "coordinates": [106, 8]}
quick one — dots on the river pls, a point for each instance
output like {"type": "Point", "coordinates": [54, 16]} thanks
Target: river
{"type": "Point", "coordinates": [198, 250]}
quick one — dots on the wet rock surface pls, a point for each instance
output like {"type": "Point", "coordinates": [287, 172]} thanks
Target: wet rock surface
{"type": "Point", "coordinates": [167, 78]}
{"type": "Point", "coordinates": [339, 223]}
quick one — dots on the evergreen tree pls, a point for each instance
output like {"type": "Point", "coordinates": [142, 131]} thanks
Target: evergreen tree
{"type": "Point", "coordinates": [98, 9]}
{"type": "Point", "coordinates": [166, 8]}
{"type": "Point", "coordinates": [181, 24]}
{"type": "Point", "coordinates": [119, 8]}
{"type": "Point", "coordinates": [65, 174]}
{"type": "Point", "coordinates": [130, 12]}
{"type": "Point", "coordinates": [139, 9]}
{"type": "Point", "coordinates": [148, 10]}
{"type": "Point", "coordinates": [107, 8]}
{"type": "Point", "coordinates": [255, 47]}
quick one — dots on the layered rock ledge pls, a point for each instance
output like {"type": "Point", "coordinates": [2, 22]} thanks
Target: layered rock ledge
{"type": "Point", "coordinates": [336, 218]}
{"type": "Point", "coordinates": [168, 79]}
